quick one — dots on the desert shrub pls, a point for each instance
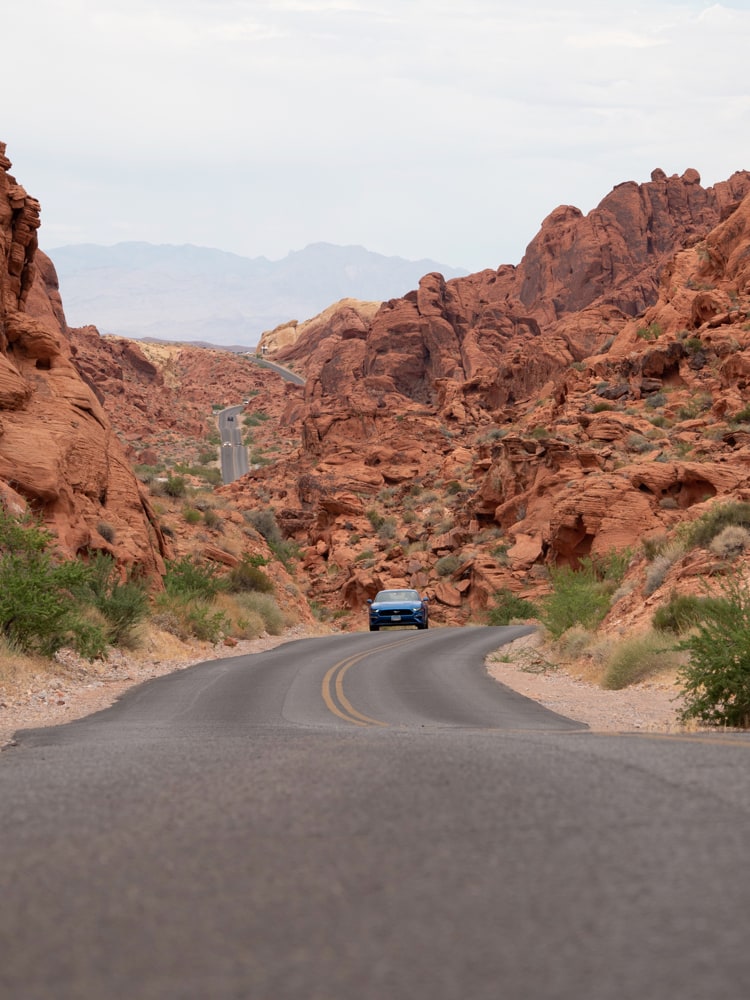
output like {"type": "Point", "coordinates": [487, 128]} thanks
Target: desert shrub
{"type": "Point", "coordinates": [107, 531]}
{"type": "Point", "coordinates": [123, 603]}
{"type": "Point", "coordinates": [654, 401]}
{"type": "Point", "coordinates": [247, 575]}
{"type": "Point", "coordinates": [212, 519]}
{"type": "Point", "coordinates": [248, 624]}
{"type": "Point", "coordinates": [286, 551]}
{"type": "Point", "coordinates": [190, 617]}
{"type": "Point", "coordinates": [175, 486]}
{"type": "Point", "coordinates": [37, 614]}
{"type": "Point", "coordinates": [574, 643]}
{"type": "Point", "coordinates": [716, 679]}
{"type": "Point", "coordinates": [637, 443]}
{"type": "Point", "coordinates": [264, 522]}
{"type": "Point", "coordinates": [447, 565]}
{"type": "Point", "coordinates": [210, 475]}
{"type": "Point", "coordinates": [730, 542]}
{"type": "Point", "coordinates": [375, 518]}
{"type": "Point", "coordinates": [387, 528]}
{"type": "Point", "coordinates": [581, 596]}
{"type": "Point", "coordinates": [191, 515]}
{"type": "Point", "coordinates": [189, 578]}
{"type": "Point", "coordinates": [266, 606]}
{"type": "Point", "coordinates": [709, 525]}
{"type": "Point", "coordinates": [682, 612]}
{"type": "Point", "coordinates": [656, 573]}
{"type": "Point", "coordinates": [634, 659]}
{"type": "Point", "coordinates": [508, 606]}
{"type": "Point", "coordinates": [650, 332]}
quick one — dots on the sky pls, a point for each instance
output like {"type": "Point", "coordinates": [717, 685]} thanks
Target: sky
{"type": "Point", "coordinates": [416, 128]}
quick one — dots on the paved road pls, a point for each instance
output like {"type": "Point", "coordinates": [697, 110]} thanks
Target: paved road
{"type": "Point", "coordinates": [365, 817]}
{"type": "Point", "coordinates": [286, 373]}
{"type": "Point", "coordinates": [232, 451]}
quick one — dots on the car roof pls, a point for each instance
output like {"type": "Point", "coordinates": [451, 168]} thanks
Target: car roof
{"type": "Point", "coordinates": [399, 594]}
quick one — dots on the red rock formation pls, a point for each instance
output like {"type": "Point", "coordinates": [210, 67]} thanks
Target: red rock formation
{"type": "Point", "coordinates": [58, 453]}
{"type": "Point", "coordinates": [449, 369]}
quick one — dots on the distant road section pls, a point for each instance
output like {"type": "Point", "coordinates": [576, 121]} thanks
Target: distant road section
{"type": "Point", "coordinates": [233, 453]}
{"type": "Point", "coordinates": [286, 373]}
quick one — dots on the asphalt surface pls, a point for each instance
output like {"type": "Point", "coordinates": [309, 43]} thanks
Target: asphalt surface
{"type": "Point", "coordinates": [362, 817]}
{"type": "Point", "coordinates": [233, 453]}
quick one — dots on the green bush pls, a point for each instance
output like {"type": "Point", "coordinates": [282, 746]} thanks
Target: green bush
{"type": "Point", "coordinates": [682, 612]}
{"type": "Point", "coordinates": [375, 518]}
{"type": "Point", "coordinates": [266, 606]}
{"type": "Point", "coordinates": [508, 606]}
{"type": "Point", "coordinates": [36, 611]}
{"type": "Point", "coordinates": [634, 659]}
{"type": "Point", "coordinates": [447, 565]}
{"type": "Point", "coordinates": [716, 680]}
{"type": "Point", "coordinates": [191, 515]}
{"type": "Point", "coordinates": [189, 578]}
{"type": "Point", "coordinates": [709, 525]}
{"type": "Point", "coordinates": [582, 596]}
{"type": "Point", "coordinates": [190, 617]}
{"type": "Point", "coordinates": [730, 542]}
{"type": "Point", "coordinates": [46, 604]}
{"type": "Point", "coordinates": [212, 519]}
{"type": "Point", "coordinates": [123, 603]}
{"type": "Point", "coordinates": [175, 486]}
{"type": "Point", "coordinates": [248, 576]}
{"type": "Point", "coordinates": [264, 522]}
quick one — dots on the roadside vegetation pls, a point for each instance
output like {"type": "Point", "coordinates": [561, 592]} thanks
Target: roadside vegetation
{"type": "Point", "coordinates": [89, 605]}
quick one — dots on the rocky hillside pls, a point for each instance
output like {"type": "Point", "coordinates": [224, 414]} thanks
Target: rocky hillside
{"type": "Point", "coordinates": [59, 455]}
{"type": "Point", "coordinates": [461, 439]}
{"type": "Point", "coordinates": [475, 431]}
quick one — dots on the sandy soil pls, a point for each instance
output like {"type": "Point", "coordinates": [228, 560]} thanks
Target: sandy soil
{"type": "Point", "coordinates": [74, 689]}
{"type": "Point", "coordinates": [651, 706]}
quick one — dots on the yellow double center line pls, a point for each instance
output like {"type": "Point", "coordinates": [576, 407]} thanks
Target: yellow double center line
{"type": "Point", "coordinates": [333, 688]}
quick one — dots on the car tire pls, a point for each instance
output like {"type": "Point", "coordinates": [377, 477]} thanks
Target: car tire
{"type": "Point", "coordinates": [426, 625]}
{"type": "Point", "coordinates": [374, 628]}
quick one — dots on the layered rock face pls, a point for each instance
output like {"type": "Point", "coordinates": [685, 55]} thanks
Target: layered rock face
{"type": "Point", "coordinates": [59, 456]}
{"type": "Point", "coordinates": [531, 415]}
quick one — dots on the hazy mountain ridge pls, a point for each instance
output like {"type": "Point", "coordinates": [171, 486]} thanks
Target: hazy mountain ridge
{"type": "Point", "coordinates": [190, 293]}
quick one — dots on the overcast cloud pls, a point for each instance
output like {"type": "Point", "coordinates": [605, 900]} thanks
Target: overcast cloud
{"type": "Point", "coordinates": [419, 128]}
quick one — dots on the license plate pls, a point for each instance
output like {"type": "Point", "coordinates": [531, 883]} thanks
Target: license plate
{"type": "Point", "coordinates": [395, 618]}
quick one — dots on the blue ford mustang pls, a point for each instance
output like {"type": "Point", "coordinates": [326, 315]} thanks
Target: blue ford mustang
{"type": "Point", "coordinates": [398, 607]}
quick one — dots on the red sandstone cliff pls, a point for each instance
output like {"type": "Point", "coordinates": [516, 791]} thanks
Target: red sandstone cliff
{"type": "Point", "coordinates": [536, 414]}
{"type": "Point", "coordinates": [58, 454]}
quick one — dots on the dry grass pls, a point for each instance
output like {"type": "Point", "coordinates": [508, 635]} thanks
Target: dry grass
{"type": "Point", "coordinates": [18, 671]}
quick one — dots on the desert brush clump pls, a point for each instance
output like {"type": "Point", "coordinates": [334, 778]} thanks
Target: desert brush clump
{"type": "Point", "coordinates": [730, 542]}
{"type": "Point", "coordinates": [636, 658]}
{"type": "Point", "coordinates": [582, 596]}
{"type": "Point", "coordinates": [703, 531]}
{"type": "Point", "coordinates": [186, 606]}
{"type": "Point", "coordinates": [47, 602]}
{"type": "Point", "coordinates": [507, 607]}
{"type": "Point", "coordinates": [716, 678]}
{"type": "Point", "coordinates": [681, 612]}
{"type": "Point", "coordinates": [663, 557]}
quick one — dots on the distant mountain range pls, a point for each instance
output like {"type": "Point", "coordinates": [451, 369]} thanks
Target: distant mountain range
{"type": "Point", "coordinates": [197, 294]}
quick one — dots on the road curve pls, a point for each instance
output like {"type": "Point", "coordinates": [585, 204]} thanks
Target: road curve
{"type": "Point", "coordinates": [368, 816]}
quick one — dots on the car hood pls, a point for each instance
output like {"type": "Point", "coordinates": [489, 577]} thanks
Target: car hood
{"type": "Point", "coordinates": [378, 605]}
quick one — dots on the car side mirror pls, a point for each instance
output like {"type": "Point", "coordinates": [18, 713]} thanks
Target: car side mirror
{"type": "Point", "coordinates": [369, 600]}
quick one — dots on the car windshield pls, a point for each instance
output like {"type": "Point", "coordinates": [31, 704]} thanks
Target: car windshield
{"type": "Point", "coordinates": [391, 596]}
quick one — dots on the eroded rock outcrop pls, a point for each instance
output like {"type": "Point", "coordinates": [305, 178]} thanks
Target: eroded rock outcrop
{"type": "Point", "coordinates": [549, 411]}
{"type": "Point", "coordinates": [58, 454]}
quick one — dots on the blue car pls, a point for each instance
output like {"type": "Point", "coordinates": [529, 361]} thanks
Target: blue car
{"type": "Point", "coordinates": [398, 607]}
